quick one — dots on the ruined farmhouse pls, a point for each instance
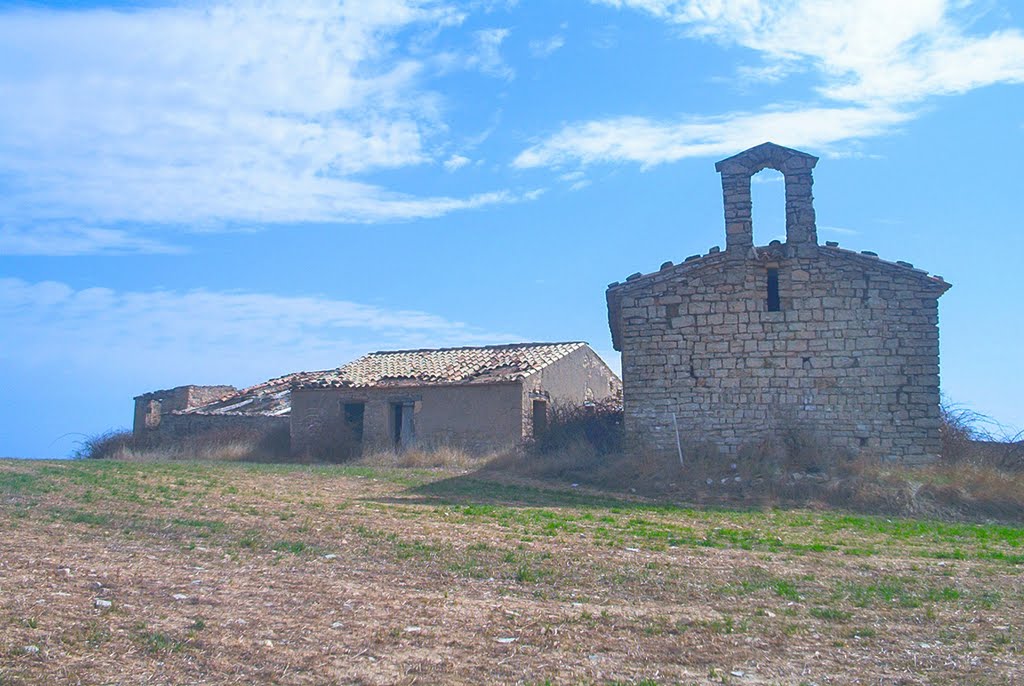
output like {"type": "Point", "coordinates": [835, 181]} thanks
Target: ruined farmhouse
{"type": "Point", "coordinates": [478, 398]}
{"type": "Point", "coordinates": [472, 397]}
{"type": "Point", "coordinates": [749, 345]}
{"type": "Point", "coordinates": [258, 412]}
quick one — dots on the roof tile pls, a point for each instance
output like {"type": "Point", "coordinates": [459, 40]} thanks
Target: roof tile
{"type": "Point", "coordinates": [470, 365]}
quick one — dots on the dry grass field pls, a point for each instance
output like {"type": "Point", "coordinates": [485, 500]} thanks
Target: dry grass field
{"type": "Point", "coordinates": [206, 573]}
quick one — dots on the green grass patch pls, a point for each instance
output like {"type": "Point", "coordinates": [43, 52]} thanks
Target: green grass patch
{"type": "Point", "coordinates": [294, 547]}
{"type": "Point", "coordinates": [208, 525]}
{"type": "Point", "coordinates": [158, 642]}
{"type": "Point", "coordinates": [82, 517]}
{"type": "Point", "coordinates": [21, 483]}
{"type": "Point", "coordinates": [892, 590]}
{"type": "Point", "coordinates": [830, 614]}
{"type": "Point", "coordinates": [756, 579]}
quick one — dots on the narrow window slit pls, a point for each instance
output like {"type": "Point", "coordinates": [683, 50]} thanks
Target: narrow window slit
{"type": "Point", "coordinates": [774, 304]}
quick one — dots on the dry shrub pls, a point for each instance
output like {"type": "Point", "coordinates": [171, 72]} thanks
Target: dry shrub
{"type": "Point", "coordinates": [795, 468]}
{"type": "Point", "coordinates": [972, 438]}
{"type": "Point", "coordinates": [595, 424]}
{"type": "Point", "coordinates": [226, 444]}
{"type": "Point", "coordinates": [430, 457]}
{"type": "Point", "coordinates": [575, 462]}
{"type": "Point", "coordinates": [960, 491]}
{"type": "Point", "coordinates": [113, 444]}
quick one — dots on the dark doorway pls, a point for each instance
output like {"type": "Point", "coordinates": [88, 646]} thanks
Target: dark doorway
{"type": "Point", "coordinates": [354, 413]}
{"type": "Point", "coordinates": [540, 417]}
{"type": "Point", "coordinates": [396, 423]}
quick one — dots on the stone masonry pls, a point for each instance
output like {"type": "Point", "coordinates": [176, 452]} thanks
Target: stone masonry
{"type": "Point", "coordinates": [746, 346]}
{"type": "Point", "coordinates": [152, 409]}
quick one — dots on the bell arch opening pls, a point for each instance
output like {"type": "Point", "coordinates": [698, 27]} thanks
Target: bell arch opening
{"type": "Point", "coordinates": [768, 206]}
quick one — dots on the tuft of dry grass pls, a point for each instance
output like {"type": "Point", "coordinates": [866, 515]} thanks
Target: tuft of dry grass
{"type": "Point", "coordinates": [970, 491]}
{"type": "Point", "coordinates": [437, 457]}
{"type": "Point", "coordinates": [225, 445]}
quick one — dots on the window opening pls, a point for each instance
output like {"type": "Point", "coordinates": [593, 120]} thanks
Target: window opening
{"type": "Point", "coordinates": [774, 305]}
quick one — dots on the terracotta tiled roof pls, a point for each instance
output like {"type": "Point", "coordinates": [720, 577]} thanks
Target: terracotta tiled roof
{"type": "Point", "coordinates": [480, 365]}
{"type": "Point", "coordinates": [270, 398]}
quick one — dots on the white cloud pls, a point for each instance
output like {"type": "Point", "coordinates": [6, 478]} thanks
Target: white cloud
{"type": "Point", "coordinates": [487, 57]}
{"type": "Point", "coordinates": [875, 58]}
{"type": "Point", "coordinates": [72, 239]}
{"type": "Point", "coordinates": [868, 51]}
{"type": "Point", "coordinates": [238, 113]}
{"type": "Point", "coordinates": [648, 142]}
{"type": "Point", "coordinates": [162, 337]}
{"type": "Point", "coordinates": [576, 180]}
{"type": "Point", "coordinates": [546, 47]}
{"type": "Point", "coordinates": [456, 162]}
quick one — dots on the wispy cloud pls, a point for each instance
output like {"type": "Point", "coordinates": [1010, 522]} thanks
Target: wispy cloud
{"type": "Point", "coordinates": [576, 179]}
{"type": "Point", "coordinates": [870, 51]}
{"type": "Point", "coordinates": [648, 142]}
{"type": "Point", "coordinates": [71, 239]}
{"type": "Point", "coordinates": [456, 162]}
{"type": "Point", "coordinates": [237, 113]}
{"type": "Point", "coordinates": [205, 335]}
{"type": "Point", "coordinates": [875, 59]}
{"type": "Point", "coordinates": [487, 57]}
{"type": "Point", "coordinates": [546, 47]}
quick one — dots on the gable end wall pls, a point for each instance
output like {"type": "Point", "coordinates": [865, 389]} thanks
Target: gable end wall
{"type": "Point", "coordinates": [579, 377]}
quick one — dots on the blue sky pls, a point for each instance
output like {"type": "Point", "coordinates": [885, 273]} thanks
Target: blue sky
{"type": "Point", "coordinates": [206, 192]}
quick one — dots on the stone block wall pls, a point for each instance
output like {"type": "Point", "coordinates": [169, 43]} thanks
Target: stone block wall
{"type": "Point", "coordinates": [851, 356]}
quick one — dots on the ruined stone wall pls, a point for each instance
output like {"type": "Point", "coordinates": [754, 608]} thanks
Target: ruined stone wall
{"type": "Point", "coordinates": [475, 417]}
{"type": "Point", "coordinates": [179, 427]}
{"type": "Point", "coordinates": [851, 357]}
{"type": "Point", "coordinates": [150, 408]}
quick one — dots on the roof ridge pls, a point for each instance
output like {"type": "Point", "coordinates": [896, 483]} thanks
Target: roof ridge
{"type": "Point", "coordinates": [499, 346]}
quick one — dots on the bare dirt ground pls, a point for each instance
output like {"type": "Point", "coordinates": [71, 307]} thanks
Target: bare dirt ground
{"type": "Point", "coordinates": [119, 573]}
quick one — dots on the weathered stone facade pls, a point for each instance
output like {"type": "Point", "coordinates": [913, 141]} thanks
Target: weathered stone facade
{"type": "Point", "coordinates": [745, 346]}
{"type": "Point", "coordinates": [151, 409]}
{"type": "Point", "coordinates": [173, 415]}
